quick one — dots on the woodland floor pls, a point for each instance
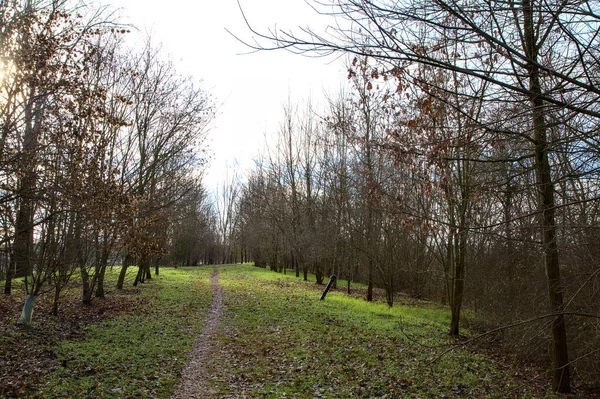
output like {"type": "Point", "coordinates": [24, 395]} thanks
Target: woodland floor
{"type": "Point", "coordinates": [27, 354]}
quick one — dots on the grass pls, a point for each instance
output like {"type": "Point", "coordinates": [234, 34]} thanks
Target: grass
{"type": "Point", "coordinates": [277, 340]}
{"type": "Point", "coordinates": [281, 341]}
{"type": "Point", "coordinates": [139, 354]}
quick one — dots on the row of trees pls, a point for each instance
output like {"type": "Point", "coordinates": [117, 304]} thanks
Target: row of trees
{"type": "Point", "coordinates": [101, 152]}
{"type": "Point", "coordinates": [463, 165]}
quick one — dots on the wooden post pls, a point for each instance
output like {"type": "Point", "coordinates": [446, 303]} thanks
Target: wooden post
{"type": "Point", "coordinates": [331, 281]}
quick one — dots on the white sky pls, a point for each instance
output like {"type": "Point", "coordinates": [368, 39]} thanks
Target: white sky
{"type": "Point", "coordinates": [252, 87]}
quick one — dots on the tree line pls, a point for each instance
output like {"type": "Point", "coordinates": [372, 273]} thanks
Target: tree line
{"type": "Point", "coordinates": [461, 166]}
{"type": "Point", "coordinates": [102, 151]}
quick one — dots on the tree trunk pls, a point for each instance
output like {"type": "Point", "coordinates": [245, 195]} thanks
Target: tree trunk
{"type": "Point", "coordinates": [458, 279]}
{"type": "Point", "coordinates": [319, 273]}
{"type": "Point", "coordinates": [295, 264]}
{"type": "Point", "coordinates": [370, 282]}
{"type": "Point", "coordinates": [23, 237]}
{"type": "Point", "coordinates": [23, 241]}
{"type": "Point", "coordinates": [446, 264]}
{"type": "Point", "coordinates": [100, 273]}
{"type": "Point", "coordinates": [389, 291]}
{"type": "Point", "coordinates": [123, 272]}
{"type": "Point", "coordinates": [456, 301]}
{"type": "Point", "coordinates": [560, 355]}
{"type": "Point", "coordinates": [57, 290]}
{"type": "Point", "coordinates": [139, 277]}
{"type": "Point", "coordinates": [143, 269]}
{"type": "Point", "coordinates": [9, 276]}
{"type": "Point", "coordinates": [86, 295]}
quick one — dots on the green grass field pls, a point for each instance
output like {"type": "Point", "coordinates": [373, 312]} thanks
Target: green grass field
{"type": "Point", "coordinates": [281, 341]}
{"type": "Point", "coordinates": [276, 340]}
{"type": "Point", "coordinates": [139, 354]}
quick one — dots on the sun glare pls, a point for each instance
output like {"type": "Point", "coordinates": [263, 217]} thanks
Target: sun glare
{"type": "Point", "coordinates": [5, 67]}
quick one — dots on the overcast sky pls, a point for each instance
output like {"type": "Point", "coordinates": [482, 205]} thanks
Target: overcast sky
{"type": "Point", "coordinates": [252, 88]}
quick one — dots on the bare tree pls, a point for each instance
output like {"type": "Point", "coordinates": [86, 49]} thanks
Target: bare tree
{"type": "Point", "coordinates": [170, 117]}
{"type": "Point", "coordinates": [226, 209]}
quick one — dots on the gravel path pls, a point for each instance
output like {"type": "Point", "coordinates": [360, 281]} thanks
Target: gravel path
{"type": "Point", "coordinates": [193, 383]}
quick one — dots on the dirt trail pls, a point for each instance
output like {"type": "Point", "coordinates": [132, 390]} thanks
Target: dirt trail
{"type": "Point", "coordinates": [194, 380]}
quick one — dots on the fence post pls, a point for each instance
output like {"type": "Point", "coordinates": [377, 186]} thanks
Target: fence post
{"type": "Point", "coordinates": [329, 284]}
